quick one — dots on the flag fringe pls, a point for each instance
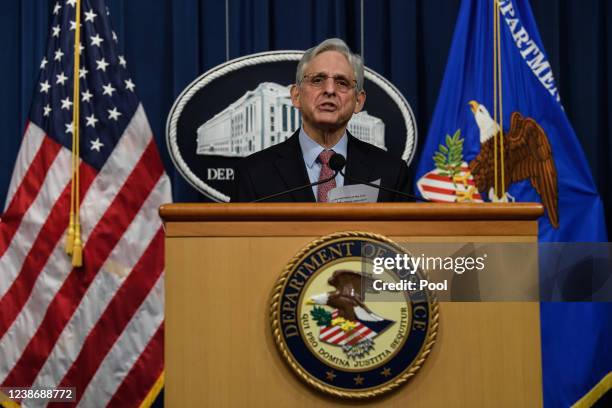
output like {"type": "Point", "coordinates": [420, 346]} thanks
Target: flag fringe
{"type": "Point", "coordinates": [591, 397]}
{"type": "Point", "coordinates": [154, 392]}
{"type": "Point", "coordinates": [5, 402]}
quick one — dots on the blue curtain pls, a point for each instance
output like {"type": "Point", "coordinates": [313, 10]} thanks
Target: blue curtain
{"type": "Point", "coordinates": [169, 43]}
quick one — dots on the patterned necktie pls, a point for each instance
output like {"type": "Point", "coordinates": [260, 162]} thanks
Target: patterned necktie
{"type": "Point", "coordinates": [326, 172]}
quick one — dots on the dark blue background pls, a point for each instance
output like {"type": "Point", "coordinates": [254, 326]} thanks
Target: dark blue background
{"type": "Point", "coordinates": [169, 43]}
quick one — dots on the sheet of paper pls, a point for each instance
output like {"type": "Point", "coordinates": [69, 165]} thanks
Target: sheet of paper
{"type": "Point", "coordinates": [354, 193]}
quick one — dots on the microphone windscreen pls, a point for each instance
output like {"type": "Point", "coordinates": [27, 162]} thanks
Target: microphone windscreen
{"type": "Point", "coordinates": [337, 162]}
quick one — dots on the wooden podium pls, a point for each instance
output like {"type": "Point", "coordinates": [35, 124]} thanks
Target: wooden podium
{"type": "Point", "coordinates": [222, 261]}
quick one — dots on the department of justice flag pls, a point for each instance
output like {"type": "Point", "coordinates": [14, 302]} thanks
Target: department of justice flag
{"type": "Point", "coordinates": [499, 132]}
{"type": "Point", "coordinates": [99, 327]}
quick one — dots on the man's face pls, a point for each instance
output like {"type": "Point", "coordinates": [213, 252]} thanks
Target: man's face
{"type": "Point", "coordinates": [325, 105]}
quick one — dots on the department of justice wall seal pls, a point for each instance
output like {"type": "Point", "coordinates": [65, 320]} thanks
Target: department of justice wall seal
{"type": "Point", "coordinates": [337, 333]}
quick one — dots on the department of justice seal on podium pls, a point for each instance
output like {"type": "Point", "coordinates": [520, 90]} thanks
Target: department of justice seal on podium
{"type": "Point", "coordinates": [336, 332]}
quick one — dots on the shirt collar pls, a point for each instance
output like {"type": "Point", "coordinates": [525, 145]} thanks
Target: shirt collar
{"type": "Point", "coordinates": [311, 149]}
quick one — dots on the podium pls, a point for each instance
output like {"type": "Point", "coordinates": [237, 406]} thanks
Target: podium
{"type": "Point", "coordinates": [223, 260]}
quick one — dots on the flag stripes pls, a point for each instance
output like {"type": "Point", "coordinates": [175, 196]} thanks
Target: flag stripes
{"type": "Point", "coordinates": [106, 234]}
{"type": "Point", "coordinates": [28, 190]}
{"type": "Point", "coordinates": [335, 335]}
{"type": "Point", "coordinates": [44, 243]}
{"type": "Point", "coordinates": [24, 230]}
{"type": "Point", "coordinates": [30, 146]}
{"type": "Point", "coordinates": [151, 359]}
{"type": "Point", "coordinates": [122, 260]}
{"type": "Point", "coordinates": [122, 307]}
{"type": "Point", "coordinates": [98, 327]}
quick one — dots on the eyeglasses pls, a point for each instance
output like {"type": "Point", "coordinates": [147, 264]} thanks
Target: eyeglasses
{"type": "Point", "coordinates": [343, 84]}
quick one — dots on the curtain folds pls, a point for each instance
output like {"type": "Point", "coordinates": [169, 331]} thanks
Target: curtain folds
{"type": "Point", "coordinates": [167, 44]}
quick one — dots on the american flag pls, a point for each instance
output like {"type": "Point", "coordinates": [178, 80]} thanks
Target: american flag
{"type": "Point", "coordinates": [98, 328]}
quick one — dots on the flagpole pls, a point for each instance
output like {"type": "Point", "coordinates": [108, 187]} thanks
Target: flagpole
{"type": "Point", "coordinates": [77, 249]}
{"type": "Point", "coordinates": [495, 138]}
{"type": "Point", "coordinates": [501, 103]}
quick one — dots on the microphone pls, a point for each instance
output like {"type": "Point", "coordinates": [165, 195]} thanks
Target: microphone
{"type": "Point", "coordinates": [337, 163]}
{"type": "Point", "coordinates": [316, 183]}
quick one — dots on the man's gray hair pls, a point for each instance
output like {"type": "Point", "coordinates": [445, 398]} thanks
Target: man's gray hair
{"type": "Point", "coordinates": [332, 44]}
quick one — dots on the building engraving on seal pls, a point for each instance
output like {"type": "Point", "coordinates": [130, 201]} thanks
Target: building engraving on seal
{"type": "Point", "coordinates": [263, 117]}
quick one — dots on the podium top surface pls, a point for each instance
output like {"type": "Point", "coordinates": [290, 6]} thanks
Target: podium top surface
{"type": "Point", "coordinates": [179, 212]}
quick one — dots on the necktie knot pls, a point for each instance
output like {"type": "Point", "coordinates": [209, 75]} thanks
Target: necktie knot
{"type": "Point", "coordinates": [325, 155]}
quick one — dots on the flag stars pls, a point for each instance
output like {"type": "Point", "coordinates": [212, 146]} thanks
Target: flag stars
{"type": "Point", "coordinates": [96, 40]}
{"type": "Point", "coordinates": [57, 8]}
{"type": "Point", "coordinates": [86, 96]}
{"type": "Point", "coordinates": [56, 31]}
{"type": "Point", "coordinates": [73, 25]}
{"type": "Point", "coordinates": [90, 16]}
{"type": "Point", "coordinates": [69, 128]}
{"type": "Point", "coordinates": [122, 61]}
{"type": "Point", "coordinates": [66, 103]}
{"type": "Point", "coordinates": [44, 87]}
{"type": "Point", "coordinates": [91, 121]}
{"type": "Point", "coordinates": [113, 114]}
{"type": "Point", "coordinates": [96, 144]}
{"type": "Point", "coordinates": [43, 63]}
{"type": "Point", "coordinates": [81, 48]}
{"type": "Point", "coordinates": [83, 72]}
{"type": "Point", "coordinates": [61, 78]}
{"type": "Point", "coordinates": [71, 2]}
{"type": "Point", "coordinates": [115, 37]}
{"type": "Point", "coordinates": [101, 64]}
{"type": "Point", "coordinates": [129, 85]}
{"type": "Point", "coordinates": [108, 90]}
{"type": "Point", "coordinates": [47, 110]}
{"type": "Point", "coordinates": [58, 55]}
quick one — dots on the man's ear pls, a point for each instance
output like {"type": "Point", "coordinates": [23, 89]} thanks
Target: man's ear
{"type": "Point", "coordinates": [295, 95]}
{"type": "Point", "coordinates": [361, 97]}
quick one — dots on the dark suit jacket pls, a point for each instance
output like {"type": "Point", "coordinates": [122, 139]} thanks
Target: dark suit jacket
{"type": "Point", "coordinates": [281, 167]}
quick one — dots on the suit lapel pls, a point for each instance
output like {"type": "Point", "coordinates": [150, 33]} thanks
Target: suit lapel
{"type": "Point", "coordinates": [291, 168]}
{"type": "Point", "coordinates": [357, 164]}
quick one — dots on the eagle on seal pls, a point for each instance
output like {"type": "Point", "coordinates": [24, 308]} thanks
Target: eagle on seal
{"type": "Point", "coordinates": [527, 155]}
{"type": "Point", "coordinates": [348, 297]}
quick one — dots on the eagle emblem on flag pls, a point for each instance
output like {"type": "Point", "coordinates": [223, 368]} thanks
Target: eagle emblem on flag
{"type": "Point", "coordinates": [527, 155]}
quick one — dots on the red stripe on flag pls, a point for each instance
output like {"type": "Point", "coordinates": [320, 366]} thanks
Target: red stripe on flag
{"type": "Point", "coordinates": [333, 331]}
{"type": "Point", "coordinates": [438, 177]}
{"type": "Point", "coordinates": [27, 191]}
{"type": "Point", "coordinates": [143, 375]}
{"type": "Point", "coordinates": [102, 240]}
{"type": "Point", "coordinates": [440, 190]}
{"type": "Point", "coordinates": [117, 315]}
{"type": "Point", "coordinates": [46, 241]}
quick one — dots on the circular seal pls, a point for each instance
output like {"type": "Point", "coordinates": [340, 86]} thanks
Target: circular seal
{"type": "Point", "coordinates": [243, 106]}
{"type": "Point", "coordinates": [337, 332]}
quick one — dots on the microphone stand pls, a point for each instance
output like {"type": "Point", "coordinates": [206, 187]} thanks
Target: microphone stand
{"type": "Point", "coordinates": [297, 188]}
{"type": "Point", "coordinates": [389, 190]}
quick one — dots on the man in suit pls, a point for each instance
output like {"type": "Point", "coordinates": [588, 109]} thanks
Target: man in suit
{"type": "Point", "coordinates": [328, 91]}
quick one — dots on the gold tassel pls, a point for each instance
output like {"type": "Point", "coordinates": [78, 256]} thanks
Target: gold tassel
{"type": "Point", "coordinates": [77, 254]}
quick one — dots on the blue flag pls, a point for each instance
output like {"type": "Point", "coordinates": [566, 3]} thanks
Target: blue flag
{"type": "Point", "coordinates": [511, 86]}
